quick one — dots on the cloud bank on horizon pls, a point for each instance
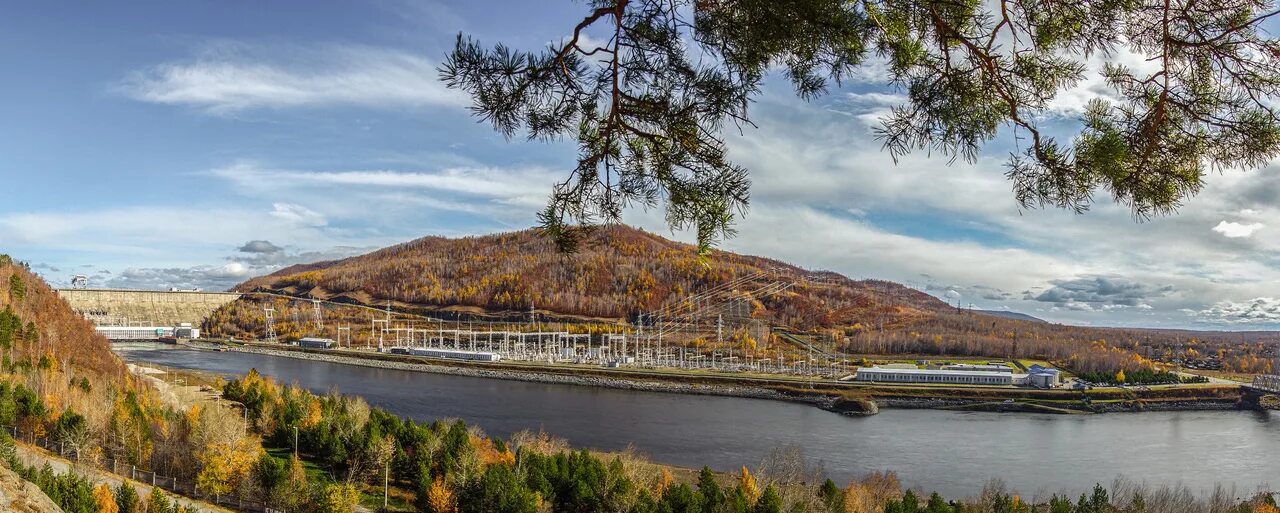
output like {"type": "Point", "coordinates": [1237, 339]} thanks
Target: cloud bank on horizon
{"type": "Point", "coordinates": [172, 150]}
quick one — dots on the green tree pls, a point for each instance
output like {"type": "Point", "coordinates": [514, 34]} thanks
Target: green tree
{"type": "Point", "coordinates": [127, 498]}
{"type": "Point", "coordinates": [910, 502]}
{"type": "Point", "coordinates": [769, 502]}
{"type": "Point", "coordinates": [1059, 504]}
{"type": "Point", "coordinates": [158, 502]}
{"type": "Point", "coordinates": [498, 490]}
{"type": "Point", "coordinates": [937, 505]}
{"type": "Point", "coordinates": [17, 289]}
{"type": "Point", "coordinates": [647, 107]}
{"type": "Point", "coordinates": [269, 473]}
{"type": "Point", "coordinates": [709, 489]}
{"type": "Point", "coordinates": [832, 496]}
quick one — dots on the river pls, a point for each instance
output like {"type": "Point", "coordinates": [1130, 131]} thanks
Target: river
{"type": "Point", "coordinates": [954, 453]}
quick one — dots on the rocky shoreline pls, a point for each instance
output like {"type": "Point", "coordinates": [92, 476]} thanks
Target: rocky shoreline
{"type": "Point", "coordinates": [852, 407]}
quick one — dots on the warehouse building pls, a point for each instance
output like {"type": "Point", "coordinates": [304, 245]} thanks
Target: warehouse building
{"type": "Point", "coordinates": [955, 377]}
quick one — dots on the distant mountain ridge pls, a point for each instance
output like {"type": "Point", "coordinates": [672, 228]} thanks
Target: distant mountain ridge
{"type": "Point", "coordinates": [1009, 314]}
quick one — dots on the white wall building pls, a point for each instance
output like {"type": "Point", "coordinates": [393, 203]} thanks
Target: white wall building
{"type": "Point", "coordinates": [995, 367]}
{"type": "Point", "coordinates": [955, 377]}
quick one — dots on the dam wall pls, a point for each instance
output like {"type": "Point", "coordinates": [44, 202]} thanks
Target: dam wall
{"type": "Point", "coordinates": [116, 307]}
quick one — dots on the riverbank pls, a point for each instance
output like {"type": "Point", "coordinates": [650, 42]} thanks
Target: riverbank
{"type": "Point", "coordinates": [844, 398]}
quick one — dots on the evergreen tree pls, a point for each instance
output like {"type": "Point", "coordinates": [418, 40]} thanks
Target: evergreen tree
{"type": "Point", "coordinates": [769, 502]}
{"type": "Point", "coordinates": [709, 489]}
{"type": "Point", "coordinates": [647, 108]}
{"type": "Point", "coordinates": [157, 502]}
{"type": "Point", "coordinates": [127, 499]}
{"type": "Point", "coordinates": [910, 502]}
{"type": "Point", "coordinates": [937, 505]}
{"type": "Point", "coordinates": [498, 490]}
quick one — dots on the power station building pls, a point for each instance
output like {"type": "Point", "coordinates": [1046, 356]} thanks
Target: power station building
{"type": "Point", "coordinates": [952, 377]}
{"type": "Point", "coordinates": [992, 367]}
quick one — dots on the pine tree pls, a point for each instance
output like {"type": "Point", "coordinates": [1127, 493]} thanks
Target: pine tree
{"type": "Point", "coordinates": [647, 108]}
{"type": "Point", "coordinates": [127, 499]}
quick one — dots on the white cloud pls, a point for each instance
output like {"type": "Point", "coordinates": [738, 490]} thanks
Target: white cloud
{"type": "Point", "coordinates": [205, 277]}
{"type": "Point", "coordinates": [454, 188]}
{"type": "Point", "coordinates": [1234, 230]}
{"type": "Point", "coordinates": [298, 214]}
{"type": "Point", "coordinates": [1072, 101]}
{"type": "Point", "coordinates": [228, 80]}
{"type": "Point", "coordinates": [1254, 311]}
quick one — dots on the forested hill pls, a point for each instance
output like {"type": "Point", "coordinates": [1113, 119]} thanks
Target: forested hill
{"type": "Point", "coordinates": [618, 272]}
{"type": "Point", "coordinates": [39, 329]}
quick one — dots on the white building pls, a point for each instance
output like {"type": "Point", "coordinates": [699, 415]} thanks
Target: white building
{"type": "Point", "coordinates": [456, 354]}
{"type": "Point", "coordinates": [994, 367]}
{"type": "Point", "coordinates": [955, 377]}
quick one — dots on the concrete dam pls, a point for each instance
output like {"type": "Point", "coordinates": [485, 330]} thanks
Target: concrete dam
{"type": "Point", "coordinates": [116, 307]}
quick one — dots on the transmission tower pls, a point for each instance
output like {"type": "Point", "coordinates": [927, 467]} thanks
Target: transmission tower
{"type": "Point", "coordinates": [271, 322]}
{"type": "Point", "coordinates": [315, 303]}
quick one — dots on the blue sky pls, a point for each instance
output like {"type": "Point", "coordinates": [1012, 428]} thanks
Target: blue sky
{"type": "Point", "coordinates": [200, 143]}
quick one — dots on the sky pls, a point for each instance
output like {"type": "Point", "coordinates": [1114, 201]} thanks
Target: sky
{"type": "Point", "coordinates": [197, 144]}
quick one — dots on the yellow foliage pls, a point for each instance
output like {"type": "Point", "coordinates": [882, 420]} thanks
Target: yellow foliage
{"type": "Point", "coordinates": [440, 497]}
{"type": "Point", "coordinates": [224, 466]}
{"type": "Point", "coordinates": [104, 499]}
{"type": "Point", "coordinates": [338, 498]}
{"type": "Point", "coordinates": [1120, 376]}
{"type": "Point", "coordinates": [869, 494]}
{"type": "Point", "coordinates": [664, 482]}
{"type": "Point", "coordinates": [314, 414]}
{"type": "Point", "coordinates": [489, 454]}
{"type": "Point", "coordinates": [748, 484]}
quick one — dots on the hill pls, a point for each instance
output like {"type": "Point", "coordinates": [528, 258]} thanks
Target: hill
{"type": "Point", "coordinates": [1011, 315]}
{"type": "Point", "coordinates": [35, 323]}
{"type": "Point", "coordinates": [621, 273]}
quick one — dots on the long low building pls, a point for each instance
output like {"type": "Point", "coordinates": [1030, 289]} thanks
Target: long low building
{"type": "Point", "coordinates": [456, 354]}
{"type": "Point", "coordinates": [991, 367]}
{"type": "Point", "coordinates": [135, 332]}
{"type": "Point", "coordinates": [956, 377]}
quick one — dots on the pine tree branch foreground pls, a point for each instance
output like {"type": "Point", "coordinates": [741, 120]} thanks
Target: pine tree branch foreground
{"type": "Point", "coordinates": [646, 88]}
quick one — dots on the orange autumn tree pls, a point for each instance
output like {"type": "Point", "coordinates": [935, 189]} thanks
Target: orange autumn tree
{"type": "Point", "coordinates": [104, 499]}
{"type": "Point", "coordinates": [440, 497]}
{"type": "Point", "coordinates": [748, 484]}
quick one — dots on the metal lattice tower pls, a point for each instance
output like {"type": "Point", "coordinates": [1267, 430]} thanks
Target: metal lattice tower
{"type": "Point", "coordinates": [315, 303]}
{"type": "Point", "coordinates": [271, 322]}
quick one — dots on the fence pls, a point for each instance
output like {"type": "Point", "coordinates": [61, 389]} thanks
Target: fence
{"type": "Point", "coordinates": [171, 484]}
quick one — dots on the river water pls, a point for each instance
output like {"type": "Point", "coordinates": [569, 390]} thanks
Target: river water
{"type": "Point", "coordinates": [954, 453]}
